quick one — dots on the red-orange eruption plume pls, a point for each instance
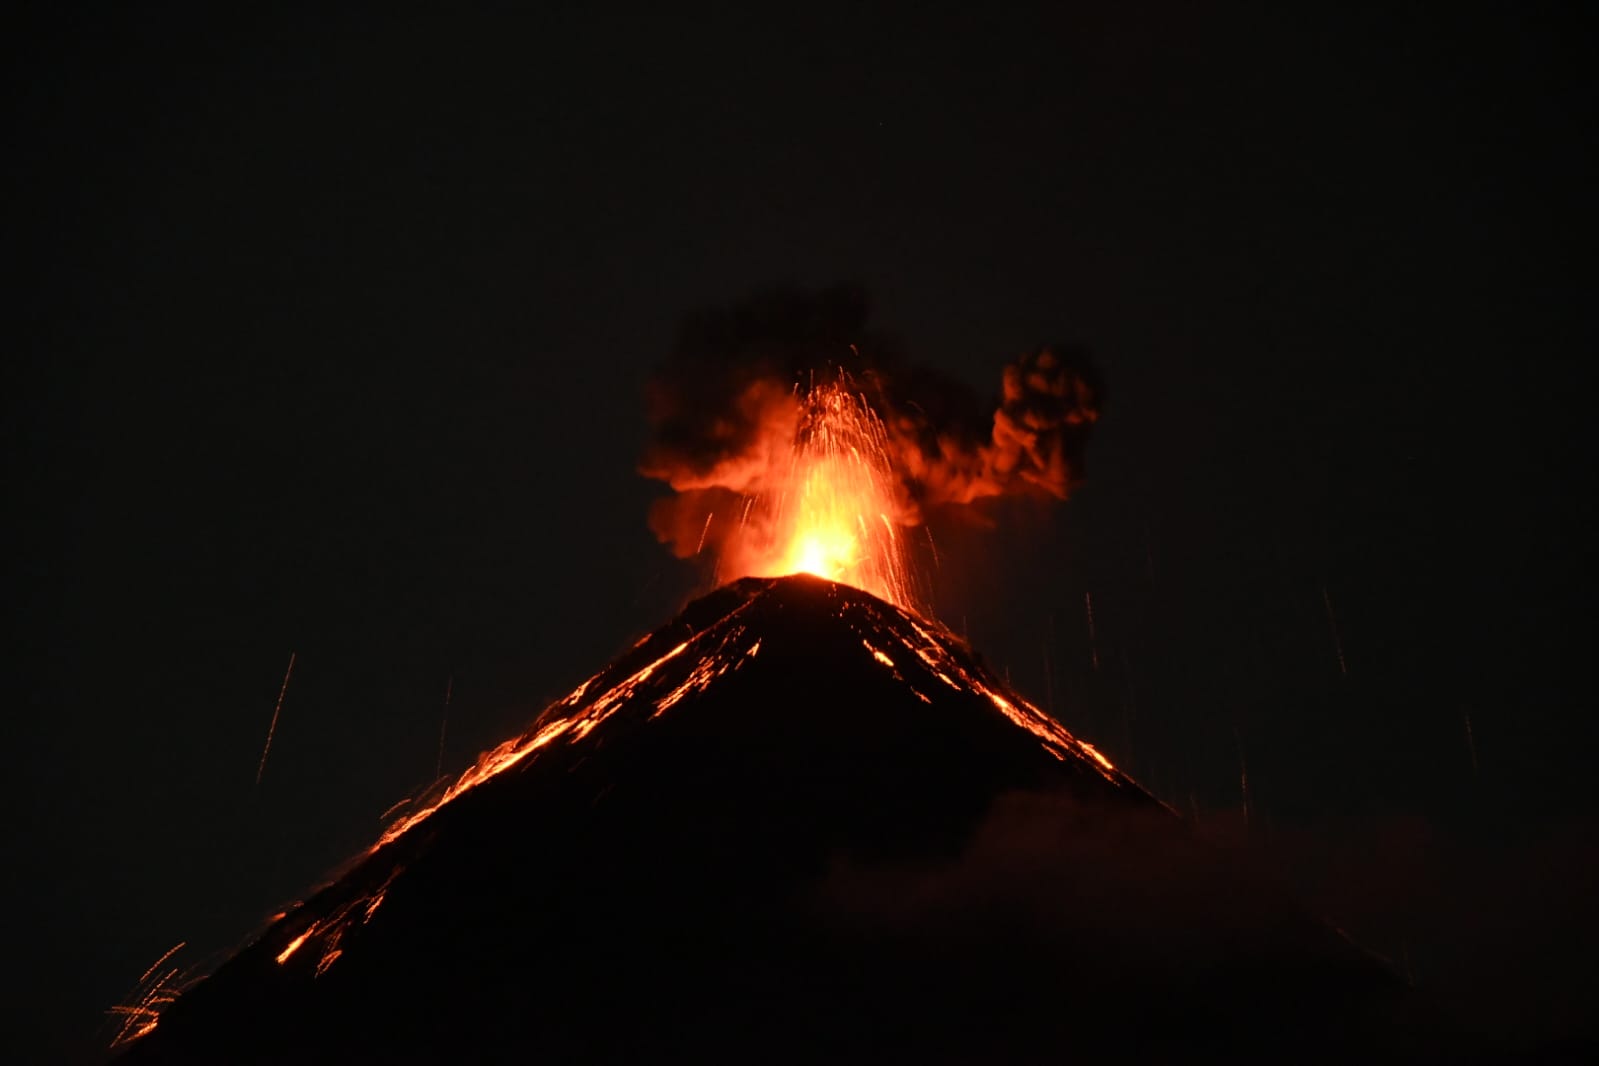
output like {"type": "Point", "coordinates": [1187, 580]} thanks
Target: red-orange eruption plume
{"type": "Point", "coordinates": [770, 479]}
{"type": "Point", "coordinates": [831, 509]}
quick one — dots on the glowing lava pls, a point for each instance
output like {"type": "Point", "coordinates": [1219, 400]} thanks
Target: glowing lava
{"type": "Point", "coordinates": [832, 511]}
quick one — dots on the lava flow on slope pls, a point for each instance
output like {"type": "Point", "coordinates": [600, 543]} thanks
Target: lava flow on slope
{"type": "Point", "coordinates": [795, 822]}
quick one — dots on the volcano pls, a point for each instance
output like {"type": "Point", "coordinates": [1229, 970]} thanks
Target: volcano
{"type": "Point", "coordinates": [797, 823]}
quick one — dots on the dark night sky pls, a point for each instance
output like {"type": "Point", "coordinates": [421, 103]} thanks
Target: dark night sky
{"type": "Point", "coordinates": [334, 337]}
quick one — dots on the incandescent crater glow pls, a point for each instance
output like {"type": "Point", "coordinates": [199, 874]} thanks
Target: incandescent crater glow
{"type": "Point", "coordinates": [830, 513]}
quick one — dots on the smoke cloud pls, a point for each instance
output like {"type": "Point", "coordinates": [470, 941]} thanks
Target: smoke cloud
{"type": "Point", "coordinates": [725, 406]}
{"type": "Point", "coordinates": [1031, 441]}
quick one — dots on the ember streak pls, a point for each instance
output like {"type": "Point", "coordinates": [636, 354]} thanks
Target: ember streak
{"type": "Point", "coordinates": [158, 988]}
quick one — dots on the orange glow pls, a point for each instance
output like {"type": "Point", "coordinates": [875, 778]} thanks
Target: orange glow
{"type": "Point", "coordinates": [294, 945]}
{"type": "Point", "coordinates": [1094, 753]}
{"type": "Point", "coordinates": [831, 511]}
{"type": "Point", "coordinates": [173, 950]}
{"type": "Point", "coordinates": [385, 815]}
{"type": "Point", "coordinates": [158, 988]}
{"type": "Point", "coordinates": [879, 656]}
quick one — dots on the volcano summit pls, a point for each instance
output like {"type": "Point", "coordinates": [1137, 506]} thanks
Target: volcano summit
{"type": "Point", "coordinates": [795, 823]}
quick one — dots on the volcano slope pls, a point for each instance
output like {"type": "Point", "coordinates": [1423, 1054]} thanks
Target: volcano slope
{"type": "Point", "coordinates": [794, 824]}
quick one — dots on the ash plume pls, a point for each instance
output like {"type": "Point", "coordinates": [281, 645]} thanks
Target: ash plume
{"type": "Point", "coordinates": [1033, 439]}
{"type": "Point", "coordinates": [725, 407]}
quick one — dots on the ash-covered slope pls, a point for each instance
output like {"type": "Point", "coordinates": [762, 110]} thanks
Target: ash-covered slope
{"type": "Point", "coordinates": [795, 823]}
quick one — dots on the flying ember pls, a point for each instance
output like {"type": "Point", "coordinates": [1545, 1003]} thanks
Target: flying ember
{"type": "Point", "coordinates": [831, 512]}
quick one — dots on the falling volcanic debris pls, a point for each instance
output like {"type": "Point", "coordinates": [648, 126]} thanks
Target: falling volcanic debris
{"type": "Point", "coordinates": [801, 820]}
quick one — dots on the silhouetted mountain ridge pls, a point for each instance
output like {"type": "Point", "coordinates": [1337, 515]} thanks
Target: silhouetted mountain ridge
{"type": "Point", "coordinates": [794, 823]}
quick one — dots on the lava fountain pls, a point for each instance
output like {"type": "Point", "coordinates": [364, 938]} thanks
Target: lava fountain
{"type": "Point", "coordinates": [832, 511]}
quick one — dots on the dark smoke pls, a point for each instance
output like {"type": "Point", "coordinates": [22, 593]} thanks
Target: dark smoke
{"type": "Point", "coordinates": [722, 411]}
{"type": "Point", "coordinates": [1031, 440]}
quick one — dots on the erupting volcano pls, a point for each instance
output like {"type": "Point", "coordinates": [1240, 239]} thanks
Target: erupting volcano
{"type": "Point", "coordinates": [801, 821]}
